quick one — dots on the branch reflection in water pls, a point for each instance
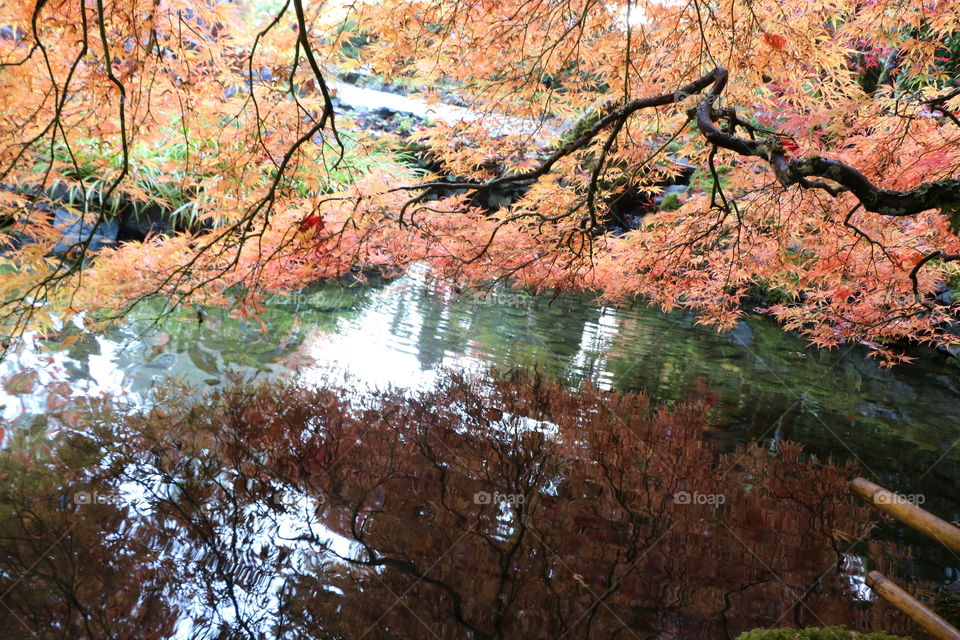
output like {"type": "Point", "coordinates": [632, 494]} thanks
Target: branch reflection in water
{"type": "Point", "coordinates": [486, 507]}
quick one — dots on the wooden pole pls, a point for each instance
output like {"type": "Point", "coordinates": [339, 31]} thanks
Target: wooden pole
{"type": "Point", "coordinates": [924, 617]}
{"type": "Point", "coordinates": [908, 513]}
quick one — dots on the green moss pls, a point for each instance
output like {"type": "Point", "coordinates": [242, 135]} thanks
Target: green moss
{"type": "Point", "coordinates": [768, 292]}
{"type": "Point", "coordinates": [954, 281]}
{"type": "Point", "coordinates": [579, 128]}
{"type": "Point", "coordinates": [670, 202]}
{"type": "Point", "coordinates": [814, 633]}
{"type": "Point", "coordinates": [702, 179]}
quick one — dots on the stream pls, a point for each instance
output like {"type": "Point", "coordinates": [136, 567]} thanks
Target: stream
{"type": "Point", "coordinates": [898, 426]}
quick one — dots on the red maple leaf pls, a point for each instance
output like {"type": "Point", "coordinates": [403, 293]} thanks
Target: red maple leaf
{"type": "Point", "coordinates": [312, 221]}
{"type": "Point", "coordinates": [789, 145]}
{"type": "Point", "coordinates": [777, 42]}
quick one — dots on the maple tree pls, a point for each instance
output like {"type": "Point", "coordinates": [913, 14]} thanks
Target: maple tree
{"type": "Point", "coordinates": [826, 135]}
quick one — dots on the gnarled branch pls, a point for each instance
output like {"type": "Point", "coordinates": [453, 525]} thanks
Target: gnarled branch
{"type": "Point", "coordinates": [790, 171]}
{"type": "Point", "coordinates": [809, 172]}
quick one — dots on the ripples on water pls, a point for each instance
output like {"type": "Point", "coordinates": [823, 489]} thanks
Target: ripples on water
{"type": "Point", "coordinates": [898, 426]}
{"type": "Point", "coordinates": [479, 509]}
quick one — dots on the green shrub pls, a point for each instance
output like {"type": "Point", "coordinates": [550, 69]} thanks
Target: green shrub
{"type": "Point", "coordinates": [671, 202]}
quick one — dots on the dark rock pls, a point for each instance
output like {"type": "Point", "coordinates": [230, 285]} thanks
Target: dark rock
{"type": "Point", "coordinates": [946, 296]}
{"type": "Point", "coordinates": [122, 219]}
{"type": "Point", "coordinates": [357, 76]}
{"type": "Point", "coordinates": [876, 411]}
{"type": "Point", "coordinates": [61, 192]}
{"type": "Point", "coordinates": [629, 205]}
{"type": "Point", "coordinates": [741, 334]}
{"type": "Point", "coordinates": [137, 223]}
{"type": "Point", "coordinates": [495, 200]}
{"type": "Point", "coordinates": [76, 231]}
{"type": "Point", "coordinates": [383, 113]}
{"type": "Point", "coordinates": [947, 383]}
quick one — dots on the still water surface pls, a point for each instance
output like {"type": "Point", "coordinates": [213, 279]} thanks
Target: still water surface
{"type": "Point", "coordinates": [899, 427]}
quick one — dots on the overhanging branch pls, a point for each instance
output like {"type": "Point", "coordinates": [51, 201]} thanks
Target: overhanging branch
{"type": "Point", "coordinates": [809, 172]}
{"type": "Point", "coordinates": [790, 171]}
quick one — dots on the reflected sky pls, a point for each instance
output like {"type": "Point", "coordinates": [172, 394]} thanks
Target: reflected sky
{"type": "Point", "coordinates": [482, 507]}
{"type": "Point", "coordinates": [900, 426]}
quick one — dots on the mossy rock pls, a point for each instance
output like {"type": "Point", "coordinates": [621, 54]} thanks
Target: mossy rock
{"type": "Point", "coordinates": [671, 202]}
{"type": "Point", "coordinates": [764, 291]}
{"type": "Point", "coordinates": [953, 282]}
{"type": "Point", "coordinates": [814, 633]}
{"type": "Point", "coordinates": [579, 128]}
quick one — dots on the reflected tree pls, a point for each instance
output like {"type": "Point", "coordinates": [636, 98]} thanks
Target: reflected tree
{"type": "Point", "coordinates": [506, 507]}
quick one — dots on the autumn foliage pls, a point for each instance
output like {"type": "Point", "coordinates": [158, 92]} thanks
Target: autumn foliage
{"type": "Point", "coordinates": [825, 134]}
{"type": "Point", "coordinates": [502, 508]}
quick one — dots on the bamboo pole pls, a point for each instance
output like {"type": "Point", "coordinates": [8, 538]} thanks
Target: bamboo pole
{"type": "Point", "coordinates": [924, 617]}
{"type": "Point", "coordinates": [908, 513]}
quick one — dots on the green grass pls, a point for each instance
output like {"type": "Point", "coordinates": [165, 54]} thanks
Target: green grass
{"type": "Point", "coordinates": [161, 170]}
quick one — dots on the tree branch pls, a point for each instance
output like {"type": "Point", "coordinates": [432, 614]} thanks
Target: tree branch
{"type": "Point", "coordinates": [808, 172]}
{"type": "Point", "coordinates": [930, 195]}
{"type": "Point", "coordinates": [945, 257]}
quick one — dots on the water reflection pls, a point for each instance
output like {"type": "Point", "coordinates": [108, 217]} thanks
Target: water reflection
{"type": "Point", "coordinates": [481, 508]}
{"type": "Point", "coordinates": [900, 426]}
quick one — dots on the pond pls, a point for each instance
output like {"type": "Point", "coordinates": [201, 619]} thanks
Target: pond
{"type": "Point", "coordinates": [896, 427]}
